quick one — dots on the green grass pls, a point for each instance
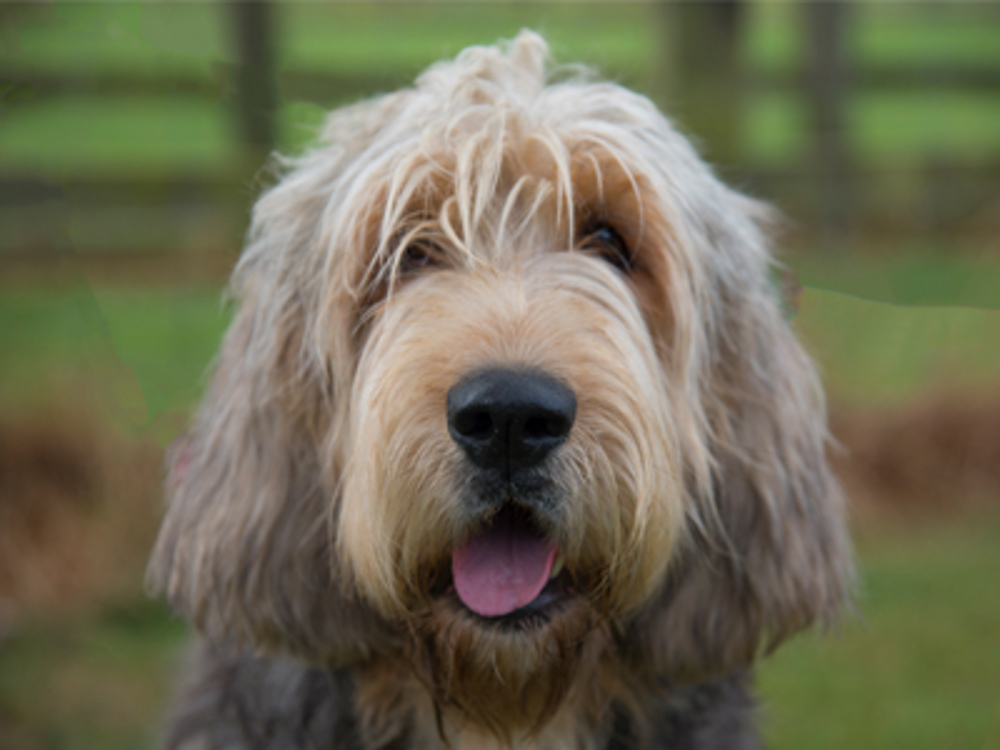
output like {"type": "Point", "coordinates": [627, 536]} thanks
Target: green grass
{"type": "Point", "coordinates": [187, 38]}
{"type": "Point", "coordinates": [919, 275]}
{"type": "Point", "coordinates": [951, 34]}
{"type": "Point", "coordinates": [99, 38]}
{"type": "Point", "coordinates": [889, 329]}
{"type": "Point", "coordinates": [166, 136]}
{"type": "Point", "coordinates": [776, 129]}
{"type": "Point", "coordinates": [910, 126]}
{"type": "Point", "coordinates": [97, 682]}
{"type": "Point", "coordinates": [894, 129]}
{"type": "Point", "coordinates": [873, 352]}
{"type": "Point", "coordinates": [191, 38]}
{"type": "Point", "coordinates": [363, 37]}
{"type": "Point", "coordinates": [920, 665]}
{"type": "Point", "coordinates": [144, 351]}
{"type": "Point", "coordinates": [166, 338]}
{"type": "Point", "coordinates": [156, 136]}
{"type": "Point", "coordinates": [957, 33]}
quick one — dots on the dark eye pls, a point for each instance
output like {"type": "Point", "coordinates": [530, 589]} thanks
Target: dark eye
{"type": "Point", "coordinates": [604, 241]}
{"type": "Point", "coordinates": [419, 255]}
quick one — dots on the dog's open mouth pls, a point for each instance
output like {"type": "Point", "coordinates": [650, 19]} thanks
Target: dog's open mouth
{"type": "Point", "coordinates": [508, 569]}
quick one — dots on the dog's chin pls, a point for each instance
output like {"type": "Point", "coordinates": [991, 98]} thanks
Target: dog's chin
{"type": "Point", "coordinates": [510, 672]}
{"type": "Point", "coordinates": [506, 671]}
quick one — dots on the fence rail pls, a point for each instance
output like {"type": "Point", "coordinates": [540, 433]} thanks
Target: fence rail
{"type": "Point", "coordinates": [831, 188]}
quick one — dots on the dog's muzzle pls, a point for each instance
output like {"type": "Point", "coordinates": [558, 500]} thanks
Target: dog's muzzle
{"type": "Point", "coordinates": [507, 422]}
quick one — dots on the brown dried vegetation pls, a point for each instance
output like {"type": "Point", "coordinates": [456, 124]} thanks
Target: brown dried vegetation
{"type": "Point", "coordinates": [936, 457]}
{"type": "Point", "coordinates": [79, 504]}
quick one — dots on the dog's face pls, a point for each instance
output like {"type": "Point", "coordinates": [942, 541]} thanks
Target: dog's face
{"type": "Point", "coordinates": [512, 461]}
{"type": "Point", "coordinates": [508, 393]}
{"type": "Point", "coordinates": [510, 410]}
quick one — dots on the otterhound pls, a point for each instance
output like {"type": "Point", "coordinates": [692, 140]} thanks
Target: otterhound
{"type": "Point", "coordinates": [509, 444]}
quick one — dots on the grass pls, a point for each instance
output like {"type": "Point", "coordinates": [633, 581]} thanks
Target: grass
{"type": "Point", "coordinates": [893, 130]}
{"type": "Point", "coordinates": [166, 338]}
{"type": "Point", "coordinates": [880, 354]}
{"type": "Point", "coordinates": [909, 126]}
{"type": "Point", "coordinates": [887, 331]}
{"type": "Point", "coordinates": [919, 276]}
{"type": "Point", "coordinates": [950, 34]}
{"type": "Point", "coordinates": [363, 37]}
{"type": "Point", "coordinates": [919, 666]}
{"type": "Point", "coordinates": [155, 136]}
{"type": "Point", "coordinates": [99, 682]}
{"type": "Point", "coordinates": [141, 38]}
{"type": "Point", "coordinates": [958, 33]}
{"type": "Point", "coordinates": [145, 351]}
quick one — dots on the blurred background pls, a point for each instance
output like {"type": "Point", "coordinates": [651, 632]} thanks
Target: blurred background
{"type": "Point", "coordinates": [131, 141]}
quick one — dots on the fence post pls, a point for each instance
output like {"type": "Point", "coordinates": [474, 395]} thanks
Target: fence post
{"type": "Point", "coordinates": [827, 82]}
{"type": "Point", "coordinates": [256, 89]}
{"type": "Point", "coordinates": [706, 84]}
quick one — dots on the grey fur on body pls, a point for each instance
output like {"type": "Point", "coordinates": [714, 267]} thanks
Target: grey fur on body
{"type": "Point", "coordinates": [235, 701]}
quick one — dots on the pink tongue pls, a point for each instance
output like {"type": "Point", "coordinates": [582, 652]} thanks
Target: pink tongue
{"type": "Point", "coordinates": [503, 568]}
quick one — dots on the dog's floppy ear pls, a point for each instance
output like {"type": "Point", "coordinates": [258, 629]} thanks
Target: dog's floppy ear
{"type": "Point", "coordinates": [768, 553]}
{"type": "Point", "coordinates": [246, 548]}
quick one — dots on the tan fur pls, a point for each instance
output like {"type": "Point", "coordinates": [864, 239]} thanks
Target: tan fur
{"type": "Point", "coordinates": [323, 494]}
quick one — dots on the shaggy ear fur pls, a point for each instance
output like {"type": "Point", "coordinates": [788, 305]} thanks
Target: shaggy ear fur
{"type": "Point", "coordinates": [769, 553]}
{"type": "Point", "coordinates": [246, 548]}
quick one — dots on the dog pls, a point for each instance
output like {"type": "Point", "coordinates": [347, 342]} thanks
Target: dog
{"type": "Point", "coordinates": [509, 443]}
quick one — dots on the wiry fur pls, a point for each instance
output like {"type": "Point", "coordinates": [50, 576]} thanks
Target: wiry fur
{"type": "Point", "coordinates": [321, 494]}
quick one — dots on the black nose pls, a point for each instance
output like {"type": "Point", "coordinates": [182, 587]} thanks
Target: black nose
{"type": "Point", "coordinates": [510, 419]}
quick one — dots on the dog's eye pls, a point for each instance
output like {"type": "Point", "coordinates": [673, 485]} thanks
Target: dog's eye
{"type": "Point", "coordinates": [604, 241]}
{"type": "Point", "coordinates": [419, 255]}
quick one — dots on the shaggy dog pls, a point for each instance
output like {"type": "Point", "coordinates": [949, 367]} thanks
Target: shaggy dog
{"type": "Point", "coordinates": [509, 443]}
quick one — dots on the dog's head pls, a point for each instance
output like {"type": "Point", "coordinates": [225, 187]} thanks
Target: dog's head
{"type": "Point", "coordinates": [508, 390]}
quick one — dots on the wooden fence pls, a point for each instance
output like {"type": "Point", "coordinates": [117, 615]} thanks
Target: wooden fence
{"type": "Point", "coordinates": [830, 191]}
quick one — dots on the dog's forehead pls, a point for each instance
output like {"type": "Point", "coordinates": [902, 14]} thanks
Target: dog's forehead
{"type": "Point", "coordinates": [517, 251]}
{"type": "Point", "coordinates": [516, 186]}
{"type": "Point", "coordinates": [488, 159]}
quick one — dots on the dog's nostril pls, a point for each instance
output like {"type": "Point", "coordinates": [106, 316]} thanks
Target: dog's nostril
{"type": "Point", "coordinates": [545, 428]}
{"type": "Point", "coordinates": [473, 424]}
{"type": "Point", "coordinates": [510, 419]}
